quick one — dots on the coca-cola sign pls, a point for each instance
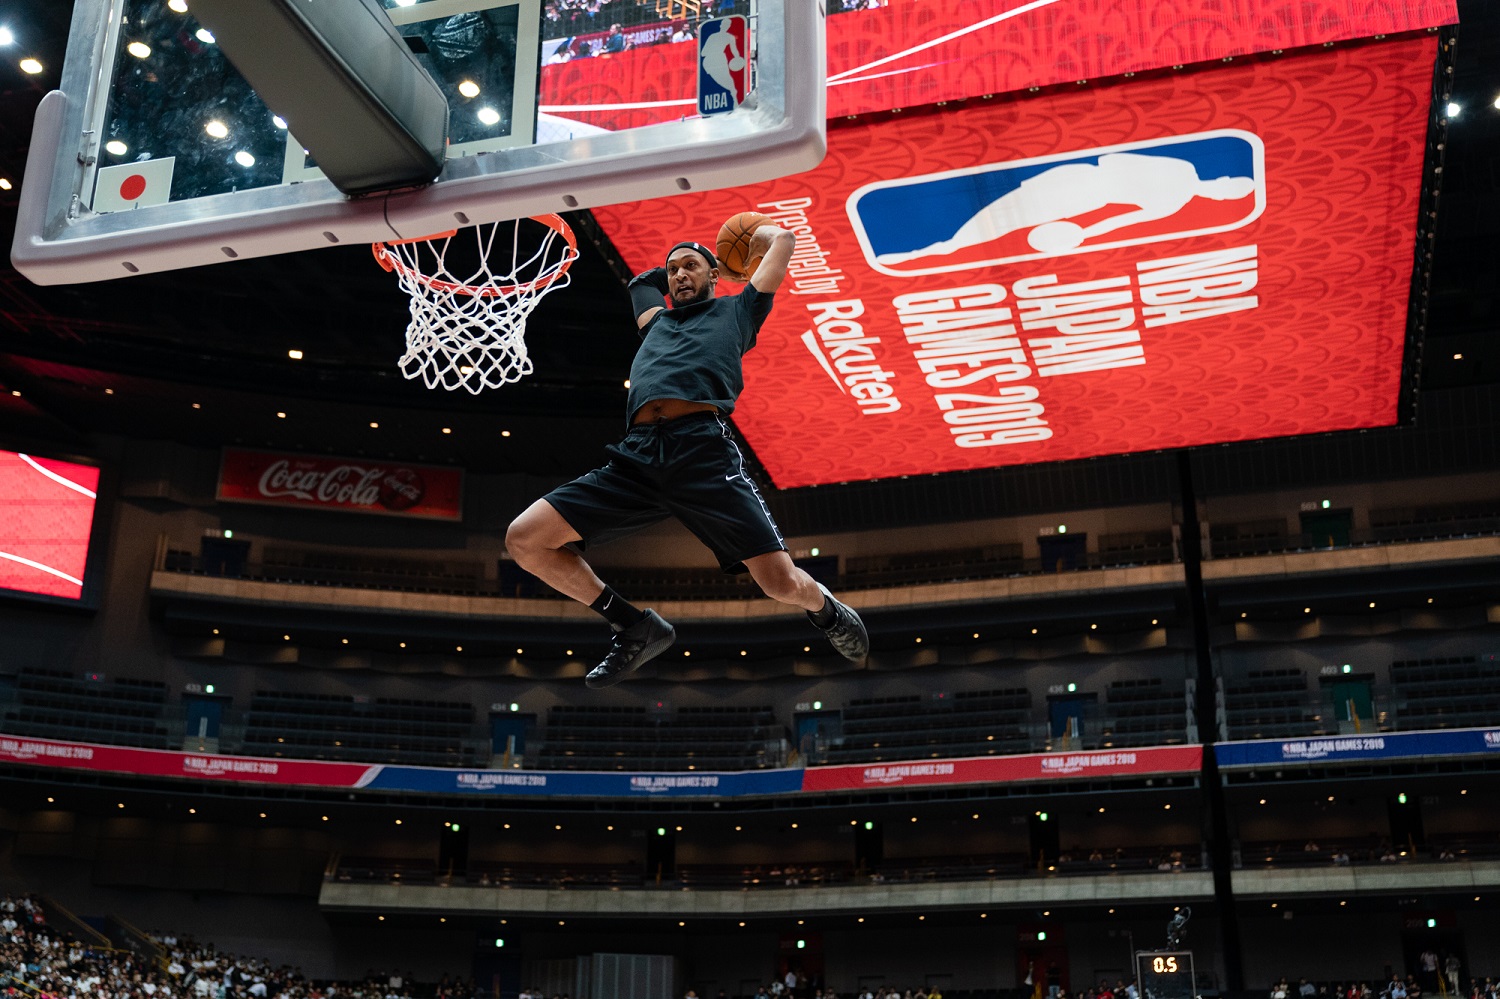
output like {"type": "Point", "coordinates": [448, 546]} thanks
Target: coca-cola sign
{"type": "Point", "coordinates": [355, 485]}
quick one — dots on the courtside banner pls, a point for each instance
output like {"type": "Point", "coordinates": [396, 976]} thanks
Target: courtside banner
{"type": "Point", "coordinates": [387, 777]}
{"type": "Point", "coordinates": [1376, 746]}
{"type": "Point", "coordinates": [589, 784]}
{"type": "Point", "coordinates": [170, 763]}
{"type": "Point", "coordinates": [916, 52]}
{"type": "Point", "coordinates": [566, 783]}
{"type": "Point", "coordinates": [1049, 278]}
{"type": "Point", "coordinates": [46, 519]}
{"type": "Point", "coordinates": [1007, 769]}
{"type": "Point", "coordinates": [350, 485]}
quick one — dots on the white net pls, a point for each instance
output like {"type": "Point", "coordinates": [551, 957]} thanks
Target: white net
{"type": "Point", "coordinates": [471, 293]}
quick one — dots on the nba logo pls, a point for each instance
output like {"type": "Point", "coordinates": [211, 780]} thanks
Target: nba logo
{"type": "Point", "coordinates": [1061, 205]}
{"type": "Point", "coordinates": [723, 64]}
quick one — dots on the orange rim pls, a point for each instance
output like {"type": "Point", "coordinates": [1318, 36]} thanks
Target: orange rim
{"type": "Point", "coordinates": [392, 261]}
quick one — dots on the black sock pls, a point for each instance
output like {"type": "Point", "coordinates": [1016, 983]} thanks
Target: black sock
{"type": "Point", "coordinates": [616, 610]}
{"type": "Point", "coordinates": [823, 616]}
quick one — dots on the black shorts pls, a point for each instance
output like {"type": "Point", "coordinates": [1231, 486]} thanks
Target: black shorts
{"type": "Point", "coordinates": [689, 468]}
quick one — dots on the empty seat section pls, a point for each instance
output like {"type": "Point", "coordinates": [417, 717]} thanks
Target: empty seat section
{"type": "Point", "coordinates": [971, 723]}
{"type": "Point", "coordinates": [1273, 704]}
{"type": "Point", "coordinates": [1446, 692]}
{"type": "Point", "coordinates": [630, 738]}
{"type": "Point", "coordinates": [1145, 712]}
{"type": "Point", "coordinates": [54, 704]}
{"type": "Point", "coordinates": [385, 730]}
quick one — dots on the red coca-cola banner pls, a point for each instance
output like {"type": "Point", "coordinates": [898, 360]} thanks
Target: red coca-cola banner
{"type": "Point", "coordinates": [1007, 769]}
{"type": "Point", "coordinates": [351, 485]}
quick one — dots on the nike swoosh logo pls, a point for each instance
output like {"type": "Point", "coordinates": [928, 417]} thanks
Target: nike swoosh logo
{"type": "Point", "coordinates": [810, 341]}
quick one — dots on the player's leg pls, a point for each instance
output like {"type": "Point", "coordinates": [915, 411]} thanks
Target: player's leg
{"type": "Point", "coordinates": [536, 540]}
{"type": "Point", "coordinates": [607, 502]}
{"type": "Point", "coordinates": [780, 579]}
{"type": "Point", "coordinates": [715, 498]}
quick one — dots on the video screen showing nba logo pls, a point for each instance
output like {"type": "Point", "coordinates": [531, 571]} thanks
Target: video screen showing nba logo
{"type": "Point", "coordinates": [1055, 206]}
{"type": "Point", "coordinates": [723, 64]}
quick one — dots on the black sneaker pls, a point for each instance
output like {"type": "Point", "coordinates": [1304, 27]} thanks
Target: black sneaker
{"type": "Point", "coordinates": [846, 632]}
{"type": "Point", "coordinates": [634, 647]}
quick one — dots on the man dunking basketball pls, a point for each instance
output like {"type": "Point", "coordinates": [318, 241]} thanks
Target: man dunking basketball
{"type": "Point", "coordinates": [678, 459]}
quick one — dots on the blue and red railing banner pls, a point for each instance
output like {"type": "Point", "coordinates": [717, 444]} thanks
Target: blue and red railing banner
{"type": "Point", "coordinates": [1371, 746]}
{"type": "Point", "coordinates": [1028, 768]}
{"type": "Point", "coordinates": [594, 784]}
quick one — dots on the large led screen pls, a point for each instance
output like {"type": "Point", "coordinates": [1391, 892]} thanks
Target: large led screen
{"type": "Point", "coordinates": [46, 516]}
{"type": "Point", "coordinates": [1179, 260]}
{"type": "Point", "coordinates": [911, 53]}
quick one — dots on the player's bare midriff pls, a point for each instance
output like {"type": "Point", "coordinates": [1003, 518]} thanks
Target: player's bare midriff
{"type": "Point", "coordinates": [662, 410]}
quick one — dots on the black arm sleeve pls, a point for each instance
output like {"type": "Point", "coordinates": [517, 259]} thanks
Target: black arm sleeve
{"type": "Point", "coordinates": [648, 290]}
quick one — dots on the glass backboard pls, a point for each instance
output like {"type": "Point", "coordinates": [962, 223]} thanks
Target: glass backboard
{"type": "Point", "coordinates": [156, 154]}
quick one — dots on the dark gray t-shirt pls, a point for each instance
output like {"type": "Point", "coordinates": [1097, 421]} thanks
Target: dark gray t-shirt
{"type": "Point", "coordinates": [693, 352]}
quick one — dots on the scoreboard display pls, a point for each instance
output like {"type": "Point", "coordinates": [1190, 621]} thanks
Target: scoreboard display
{"type": "Point", "coordinates": [1165, 974]}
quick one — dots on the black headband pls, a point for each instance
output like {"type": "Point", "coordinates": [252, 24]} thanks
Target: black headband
{"type": "Point", "coordinates": [699, 248]}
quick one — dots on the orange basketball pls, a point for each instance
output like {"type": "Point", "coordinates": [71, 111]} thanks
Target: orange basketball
{"type": "Point", "coordinates": [734, 245]}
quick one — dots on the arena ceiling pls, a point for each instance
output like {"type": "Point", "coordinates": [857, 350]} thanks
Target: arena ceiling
{"type": "Point", "coordinates": [132, 357]}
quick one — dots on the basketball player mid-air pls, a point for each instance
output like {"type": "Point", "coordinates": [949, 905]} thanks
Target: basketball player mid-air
{"type": "Point", "coordinates": [678, 459]}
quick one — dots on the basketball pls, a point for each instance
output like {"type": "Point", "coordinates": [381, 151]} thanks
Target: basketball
{"type": "Point", "coordinates": [733, 245]}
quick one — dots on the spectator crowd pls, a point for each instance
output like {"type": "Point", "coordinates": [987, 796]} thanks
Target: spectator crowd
{"type": "Point", "coordinates": [38, 961]}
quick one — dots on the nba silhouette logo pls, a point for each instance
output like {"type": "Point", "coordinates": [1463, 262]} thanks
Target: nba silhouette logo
{"type": "Point", "coordinates": [1060, 205]}
{"type": "Point", "coordinates": [723, 64]}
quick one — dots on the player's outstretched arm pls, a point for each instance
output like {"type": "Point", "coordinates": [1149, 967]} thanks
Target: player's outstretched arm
{"type": "Point", "coordinates": [647, 291]}
{"type": "Point", "coordinates": [774, 246]}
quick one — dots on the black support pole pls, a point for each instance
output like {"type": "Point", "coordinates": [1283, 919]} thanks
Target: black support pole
{"type": "Point", "coordinates": [1221, 854]}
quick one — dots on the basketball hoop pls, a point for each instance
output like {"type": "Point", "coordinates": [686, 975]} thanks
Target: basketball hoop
{"type": "Point", "coordinates": [469, 306]}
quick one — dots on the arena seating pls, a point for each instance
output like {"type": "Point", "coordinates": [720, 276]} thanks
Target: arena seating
{"type": "Point", "coordinates": [1446, 520]}
{"type": "Point", "coordinates": [385, 730]}
{"type": "Point", "coordinates": [54, 704]}
{"type": "Point", "coordinates": [1145, 712]}
{"type": "Point", "coordinates": [1451, 692]}
{"type": "Point", "coordinates": [1253, 537]}
{"type": "Point", "coordinates": [1273, 704]}
{"type": "Point", "coordinates": [970, 723]}
{"type": "Point", "coordinates": [631, 738]}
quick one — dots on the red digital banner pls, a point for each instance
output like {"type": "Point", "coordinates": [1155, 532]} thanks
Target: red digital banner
{"type": "Point", "coordinates": [353, 485]}
{"type": "Point", "coordinates": [46, 518]}
{"type": "Point", "coordinates": [1007, 769]}
{"type": "Point", "coordinates": [168, 763]}
{"type": "Point", "coordinates": [917, 52]}
{"type": "Point", "coordinates": [1052, 279]}
{"type": "Point", "coordinates": [319, 773]}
